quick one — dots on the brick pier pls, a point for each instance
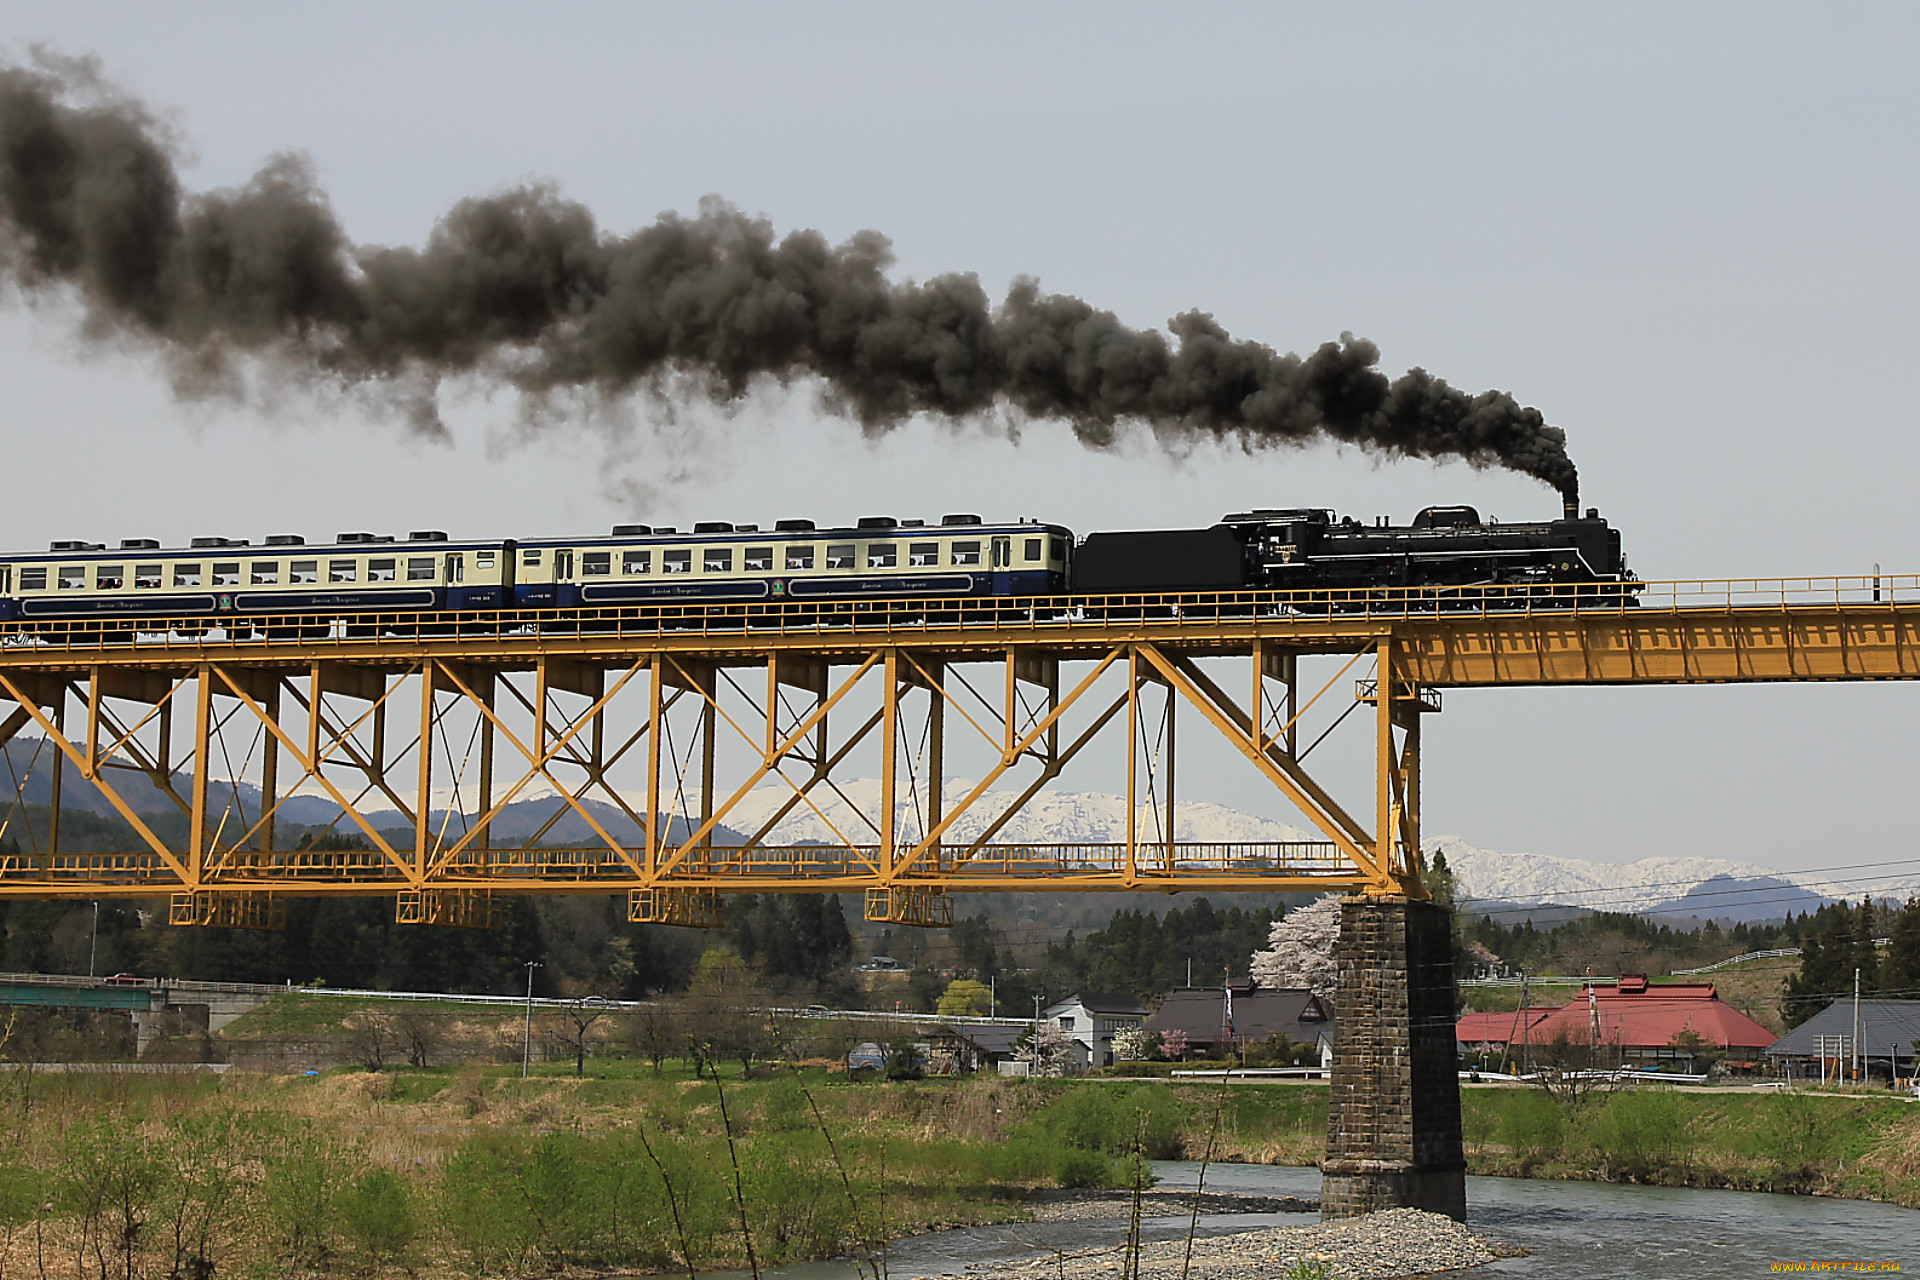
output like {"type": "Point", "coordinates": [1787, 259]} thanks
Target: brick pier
{"type": "Point", "coordinates": [1393, 1121]}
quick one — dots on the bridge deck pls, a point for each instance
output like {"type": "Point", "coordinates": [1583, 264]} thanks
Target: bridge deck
{"type": "Point", "coordinates": [318, 694]}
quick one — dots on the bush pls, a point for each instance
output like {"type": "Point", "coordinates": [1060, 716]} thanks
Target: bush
{"type": "Point", "coordinates": [1790, 1139]}
{"type": "Point", "coordinates": [376, 1210]}
{"type": "Point", "coordinates": [1639, 1131]}
{"type": "Point", "coordinates": [1533, 1124]}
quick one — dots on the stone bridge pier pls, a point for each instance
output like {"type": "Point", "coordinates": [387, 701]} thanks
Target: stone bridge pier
{"type": "Point", "coordinates": [1393, 1120]}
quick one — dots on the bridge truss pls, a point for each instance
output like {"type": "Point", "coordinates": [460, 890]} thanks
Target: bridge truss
{"type": "Point", "coordinates": [734, 719]}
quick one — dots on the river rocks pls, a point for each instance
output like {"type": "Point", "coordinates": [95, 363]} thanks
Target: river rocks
{"type": "Point", "coordinates": [1085, 1206]}
{"type": "Point", "coordinates": [1391, 1243]}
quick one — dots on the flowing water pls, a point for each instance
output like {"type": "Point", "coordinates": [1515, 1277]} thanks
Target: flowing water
{"type": "Point", "coordinates": [1572, 1230]}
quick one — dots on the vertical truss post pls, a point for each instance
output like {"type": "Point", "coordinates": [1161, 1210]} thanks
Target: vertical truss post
{"type": "Point", "coordinates": [889, 753]}
{"type": "Point", "coordinates": [59, 769]}
{"type": "Point", "coordinates": [1384, 767]}
{"type": "Point", "coordinates": [1133, 756]}
{"type": "Point", "coordinates": [483, 838]}
{"type": "Point", "coordinates": [269, 770]}
{"type": "Point", "coordinates": [936, 749]}
{"type": "Point", "coordinates": [1173, 708]}
{"type": "Point", "coordinates": [423, 800]}
{"type": "Point", "coordinates": [202, 758]}
{"type": "Point", "coordinates": [656, 676]}
{"type": "Point", "coordinates": [709, 721]}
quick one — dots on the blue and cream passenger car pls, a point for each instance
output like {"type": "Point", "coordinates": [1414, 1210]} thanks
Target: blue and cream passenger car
{"type": "Point", "coordinates": [794, 561]}
{"type": "Point", "coordinates": [221, 577]}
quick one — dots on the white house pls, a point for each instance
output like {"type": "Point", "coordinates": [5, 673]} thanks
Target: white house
{"type": "Point", "coordinates": [1092, 1018]}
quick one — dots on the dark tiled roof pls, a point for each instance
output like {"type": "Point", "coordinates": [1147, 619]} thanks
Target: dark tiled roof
{"type": "Point", "coordinates": [989, 1040]}
{"type": "Point", "coordinates": [1107, 1002]}
{"type": "Point", "coordinates": [1258, 1012]}
{"type": "Point", "coordinates": [1886, 1026]}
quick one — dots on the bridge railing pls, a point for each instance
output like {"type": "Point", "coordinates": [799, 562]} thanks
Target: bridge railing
{"type": "Point", "coordinates": [954, 863]}
{"type": "Point", "coordinates": [1085, 615]}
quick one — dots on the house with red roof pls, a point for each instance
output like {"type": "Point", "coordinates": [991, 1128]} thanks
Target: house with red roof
{"type": "Point", "coordinates": [1641, 1020]}
{"type": "Point", "coordinates": [1493, 1032]}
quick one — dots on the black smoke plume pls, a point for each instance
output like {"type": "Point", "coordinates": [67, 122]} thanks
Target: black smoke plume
{"type": "Point", "coordinates": [524, 288]}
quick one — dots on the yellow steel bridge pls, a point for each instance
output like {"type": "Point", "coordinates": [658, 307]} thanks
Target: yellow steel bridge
{"type": "Point", "coordinates": [446, 721]}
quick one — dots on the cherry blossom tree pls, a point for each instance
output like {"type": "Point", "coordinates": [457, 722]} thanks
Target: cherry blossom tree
{"type": "Point", "coordinates": [1300, 948]}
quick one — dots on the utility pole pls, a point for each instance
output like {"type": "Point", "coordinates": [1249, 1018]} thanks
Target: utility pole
{"type": "Point", "coordinates": [526, 1047]}
{"type": "Point", "coordinates": [993, 994]}
{"type": "Point", "coordinates": [93, 947]}
{"type": "Point", "coordinates": [1856, 1026]}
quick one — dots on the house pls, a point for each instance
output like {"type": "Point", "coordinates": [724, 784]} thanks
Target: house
{"type": "Point", "coordinates": [1640, 1020]}
{"type": "Point", "coordinates": [1090, 1019]}
{"type": "Point", "coordinates": [1494, 1032]}
{"type": "Point", "coordinates": [963, 1050]}
{"type": "Point", "coordinates": [1824, 1044]}
{"type": "Point", "coordinates": [1258, 1012]}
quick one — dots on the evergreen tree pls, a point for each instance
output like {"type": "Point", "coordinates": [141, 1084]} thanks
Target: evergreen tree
{"type": "Point", "coordinates": [1901, 971]}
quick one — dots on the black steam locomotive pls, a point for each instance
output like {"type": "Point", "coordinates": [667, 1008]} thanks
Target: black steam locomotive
{"type": "Point", "coordinates": [1447, 553]}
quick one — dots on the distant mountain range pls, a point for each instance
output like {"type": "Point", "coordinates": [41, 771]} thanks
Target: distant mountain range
{"type": "Point", "coordinates": [1512, 886]}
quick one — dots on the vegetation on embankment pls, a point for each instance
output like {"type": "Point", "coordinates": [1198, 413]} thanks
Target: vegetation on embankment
{"type": "Point", "coordinates": [1861, 1146]}
{"type": "Point", "coordinates": [475, 1171]}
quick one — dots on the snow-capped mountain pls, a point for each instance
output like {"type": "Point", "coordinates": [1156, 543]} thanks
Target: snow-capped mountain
{"type": "Point", "coordinates": [1051, 817]}
{"type": "Point", "coordinates": [1687, 886]}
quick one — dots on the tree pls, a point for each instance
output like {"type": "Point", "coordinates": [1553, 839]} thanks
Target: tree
{"type": "Point", "coordinates": [655, 1032]}
{"type": "Point", "coordinates": [1827, 961]}
{"type": "Point", "coordinates": [1173, 1045]}
{"type": "Point", "coordinates": [1300, 949]}
{"type": "Point", "coordinates": [579, 1018]}
{"type": "Point", "coordinates": [964, 998]}
{"type": "Point", "coordinates": [1046, 1050]}
{"type": "Point", "coordinates": [1135, 1044]}
{"type": "Point", "coordinates": [1901, 972]}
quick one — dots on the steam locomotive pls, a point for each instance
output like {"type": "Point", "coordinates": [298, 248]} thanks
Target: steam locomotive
{"type": "Point", "coordinates": [1446, 556]}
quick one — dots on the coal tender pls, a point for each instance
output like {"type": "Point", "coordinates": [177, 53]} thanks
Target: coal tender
{"type": "Point", "coordinates": [1446, 553]}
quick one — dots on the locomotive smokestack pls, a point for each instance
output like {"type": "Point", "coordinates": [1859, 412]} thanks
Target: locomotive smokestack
{"type": "Point", "coordinates": [522, 290]}
{"type": "Point", "coordinates": [1571, 505]}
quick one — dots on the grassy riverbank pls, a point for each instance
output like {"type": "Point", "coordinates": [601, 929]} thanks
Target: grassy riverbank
{"type": "Point", "coordinates": [478, 1172]}
{"type": "Point", "coordinates": [474, 1171]}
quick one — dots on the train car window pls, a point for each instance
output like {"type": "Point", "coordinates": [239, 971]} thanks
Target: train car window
{"type": "Point", "coordinates": [73, 577]}
{"type": "Point", "coordinates": [109, 577]}
{"type": "Point", "coordinates": [6, 578]}
{"type": "Point", "coordinates": [226, 575]}
{"type": "Point", "coordinates": [562, 565]}
{"type": "Point", "coordinates": [456, 568]}
{"type": "Point", "coordinates": [146, 577]}
{"type": "Point", "coordinates": [380, 570]}
{"type": "Point", "coordinates": [923, 555]}
{"type": "Point", "coordinates": [799, 558]}
{"type": "Point", "coordinates": [266, 573]}
{"type": "Point", "coordinates": [483, 559]}
{"type": "Point", "coordinates": [840, 555]}
{"type": "Point", "coordinates": [301, 573]}
{"type": "Point", "coordinates": [1058, 550]}
{"type": "Point", "coordinates": [634, 563]}
{"type": "Point", "coordinates": [420, 569]}
{"type": "Point", "coordinates": [186, 575]}
{"type": "Point", "coordinates": [530, 557]}
{"type": "Point", "coordinates": [757, 560]}
{"type": "Point", "coordinates": [33, 579]}
{"type": "Point", "coordinates": [1033, 548]}
{"type": "Point", "coordinates": [966, 553]}
{"type": "Point", "coordinates": [596, 564]}
{"type": "Point", "coordinates": [717, 560]}
{"type": "Point", "coordinates": [343, 571]}
{"type": "Point", "coordinates": [676, 561]}
{"type": "Point", "coordinates": [882, 555]}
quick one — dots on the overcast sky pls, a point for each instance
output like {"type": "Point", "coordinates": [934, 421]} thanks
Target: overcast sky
{"type": "Point", "coordinates": [1685, 234]}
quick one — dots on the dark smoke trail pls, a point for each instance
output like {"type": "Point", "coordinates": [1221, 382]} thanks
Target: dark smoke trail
{"type": "Point", "coordinates": [523, 288]}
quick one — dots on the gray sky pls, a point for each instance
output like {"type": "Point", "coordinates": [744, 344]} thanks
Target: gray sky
{"type": "Point", "coordinates": [1686, 235]}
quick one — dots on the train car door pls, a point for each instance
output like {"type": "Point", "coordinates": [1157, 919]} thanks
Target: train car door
{"type": "Point", "coordinates": [563, 594]}
{"type": "Point", "coordinates": [456, 574]}
{"type": "Point", "coordinates": [1002, 566]}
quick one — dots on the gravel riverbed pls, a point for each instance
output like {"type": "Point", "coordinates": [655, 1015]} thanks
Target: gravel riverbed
{"type": "Point", "coordinates": [1392, 1243]}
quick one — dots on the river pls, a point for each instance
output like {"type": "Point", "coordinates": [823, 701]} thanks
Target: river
{"type": "Point", "coordinates": [1572, 1230]}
